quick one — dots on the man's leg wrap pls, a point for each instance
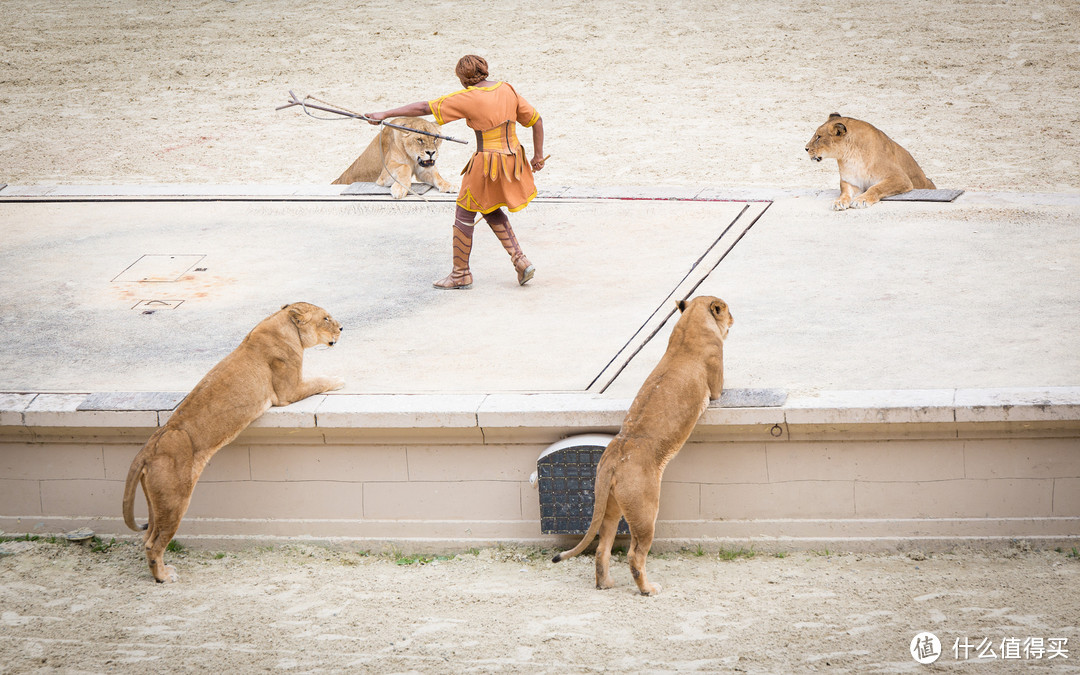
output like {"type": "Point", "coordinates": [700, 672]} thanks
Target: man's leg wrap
{"type": "Point", "coordinates": [460, 276]}
{"type": "Point", "coordinates": [500, 225]}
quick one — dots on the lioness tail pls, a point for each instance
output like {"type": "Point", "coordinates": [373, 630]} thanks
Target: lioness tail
{"type": "Point", "coordinates": [138, 466]}
{"type": "Point", "coordinates": [604, 473]}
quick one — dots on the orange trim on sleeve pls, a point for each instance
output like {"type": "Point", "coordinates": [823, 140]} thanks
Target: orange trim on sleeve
{"type": "Point", "coordinates": [434, 105]}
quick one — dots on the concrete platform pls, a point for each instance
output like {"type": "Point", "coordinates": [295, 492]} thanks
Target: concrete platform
{"type": "Point", "coordinates": [974, 293]}
{"type": "Point", "coordinates": [940, 334]}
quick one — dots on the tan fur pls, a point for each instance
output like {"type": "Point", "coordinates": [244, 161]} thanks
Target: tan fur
{"type": "Point", "coordinates": [872, 165]}
{"type": "Point", "coordinates": [659, 421]}
{"type": "Point", "coordinates": [265, 370]}
{"type": "Point", "coordinates": [402, 154]}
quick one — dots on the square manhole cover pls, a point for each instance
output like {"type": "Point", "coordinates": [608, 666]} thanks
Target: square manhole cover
{"type": "Point", "coordinates": [158, 268]}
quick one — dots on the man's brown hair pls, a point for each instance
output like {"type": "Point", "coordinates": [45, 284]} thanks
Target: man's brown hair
{"type": "Point", "coordinates": [471, 69]}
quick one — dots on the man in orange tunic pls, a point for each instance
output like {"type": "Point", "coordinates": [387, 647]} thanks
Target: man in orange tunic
{"type": "Point", "coordinates": [498, 175]}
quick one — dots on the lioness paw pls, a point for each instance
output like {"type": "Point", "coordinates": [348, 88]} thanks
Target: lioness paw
{"type": "Point", "coordinates": [398, 191]}
{"type": "Point", "coordinates": [447, 187]}
{"type": "Point", "coordinates": [840, 205]}
{"type": "Point", "coordinates": [860, 203]}
{"type": "Point", "coordinates": [336, 383]}
{"type": "Point", "coordinates": [170, 576]}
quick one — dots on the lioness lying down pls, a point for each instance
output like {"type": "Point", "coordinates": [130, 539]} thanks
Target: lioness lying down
{"type": "Point", "coordinates": [872, 165]}
{"type": "Point", "coordinates": [659, 421]}
{"type": "Point", "coordinates": [402, 156]}
{"type": "Point", "coordinates": [265, 370]}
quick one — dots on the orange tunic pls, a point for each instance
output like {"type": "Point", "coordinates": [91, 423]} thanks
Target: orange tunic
{"type": "Point", "coordinates": [498, 174]}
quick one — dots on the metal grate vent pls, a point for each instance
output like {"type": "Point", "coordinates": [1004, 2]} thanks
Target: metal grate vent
{"type": "Point", "coordinates": [925, 196]}
{"type": "Point", "coordinates": [565, 475]}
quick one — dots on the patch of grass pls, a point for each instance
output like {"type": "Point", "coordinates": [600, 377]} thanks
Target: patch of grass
{"type": "Point", "coordinates": [219, 555]}
{"type": "Point", "coordinates": [473, 551]}
{"type": "Point", "coordinates": [23, 537]}
{"type": "Point", "coordinates": [175, 547]}
{"type": "Point", "coordinates": [780, 554]}
{"type": "Point", "coordinates": [700, 551]}
{"type": "Point", "coordinates": [405, 560]}
{"type": "Point", "coordinates": [733, 553]}
{"type": "Point", "coordinates": [98, 545]}
{"type": "Point", "coordinates": [350, 558]}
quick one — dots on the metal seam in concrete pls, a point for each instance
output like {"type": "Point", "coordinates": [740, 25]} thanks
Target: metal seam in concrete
{"type": "Point", "coordinates": [667, 297]}
{"type": "Point", "coordinates": [700, 280]}
{"type": "Point", "coordinates": [307, 192]}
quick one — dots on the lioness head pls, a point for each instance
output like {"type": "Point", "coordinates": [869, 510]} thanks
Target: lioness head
{"type": "Point", "coordinates": [828, 139]}
{"type": "Point", "coordinates": [717, 309]}
{"type": "Point", "coordinates": [420, 148]}
{"type": "Point", "coordinates": [315, 325]}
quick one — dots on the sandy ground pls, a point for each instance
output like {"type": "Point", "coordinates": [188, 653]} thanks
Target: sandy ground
{"type": "Point", "coordinates": [984, 94]}
{"type": "Point", "coordinates": [304, 608]}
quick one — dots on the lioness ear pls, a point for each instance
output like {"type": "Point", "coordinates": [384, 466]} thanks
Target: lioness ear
{"type": "Point", "coordinates": [296, 315]}
{"type": "Point", "coordinates": [832, 115]}
{"type": "Point", "coordinates": [717, 308]}
{"type": "Point", "coordinates": [840, 129]}
{"type": "Point", "coordinates": [682, 305]}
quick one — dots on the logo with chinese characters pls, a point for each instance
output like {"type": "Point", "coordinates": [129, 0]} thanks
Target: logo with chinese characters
{"type": "Point", "coordinates": [1011, 648]}
{"type": "Point", "coordinates": [925, 648]}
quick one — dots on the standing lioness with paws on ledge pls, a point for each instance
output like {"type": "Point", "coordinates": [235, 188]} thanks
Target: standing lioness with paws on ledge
{"type": "Point", "coordinates": [265, 370]}
{"type": "Point", "coordinates": [659, 421]}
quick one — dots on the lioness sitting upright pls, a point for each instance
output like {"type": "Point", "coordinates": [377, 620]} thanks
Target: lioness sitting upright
{"type": "Point", "coordinates": [402, 155]}
{"type": "Point", "coordinates": [872, 165]}
{"type": "Point", "coordinates": [659, 421]}
{"type": "Point", "coordinates": [265, 370]}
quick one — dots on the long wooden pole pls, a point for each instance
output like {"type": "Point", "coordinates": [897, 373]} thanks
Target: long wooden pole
{"type": "Point", "coordinates": [344, 113]}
